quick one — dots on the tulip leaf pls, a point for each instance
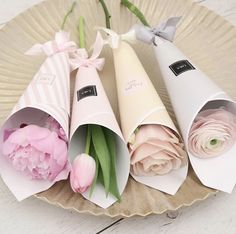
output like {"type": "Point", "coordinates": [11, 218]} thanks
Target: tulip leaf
{"type": "Point", "coordinates": [94, 155]}
{"type": "Point", "coordinates": [100, 176]}
{"type": "Point", "coordinates": [103, 154]}
{"type": "Point", "coordinates": [111, 142]}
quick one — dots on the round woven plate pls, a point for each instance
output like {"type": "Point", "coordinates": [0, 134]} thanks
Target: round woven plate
{"type": "Point", "coordinates": [203, 36]}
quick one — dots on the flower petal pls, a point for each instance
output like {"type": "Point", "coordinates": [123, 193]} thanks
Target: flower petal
{"type": "Point", "coordinates": [82, 173]}
{"type": "Point", "coordinates": [45, 145]}
{"type": "Point", "coordinates": [8, 147]}
{"type": "Point", "coordinates": [212, 124]}
{"type": "Point", "coordinates": [142, 152]}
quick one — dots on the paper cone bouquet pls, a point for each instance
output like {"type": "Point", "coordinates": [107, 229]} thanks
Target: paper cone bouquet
{"type": "Point", "coordinates": [34, 137]}
{"type": "Point", "coordinates": [37, 149]}
{"type": "Point", "coordinates": [40, 143]}
{"type": "Point", "coordinates": [157, 155]}
{"type": "Point", "coordinates": [91, 111]}
{"type": "Point", "coordinates": [205, 113]}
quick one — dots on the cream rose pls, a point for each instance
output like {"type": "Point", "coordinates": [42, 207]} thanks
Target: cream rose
{"type": "Point", "coordinates": [212, 133]}
{"type": "Point", "coordinates": [155, 150]}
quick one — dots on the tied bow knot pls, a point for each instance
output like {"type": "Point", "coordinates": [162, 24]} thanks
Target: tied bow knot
{"type": "Point", "coordinates": [146, 34]}
{"type": "Point", "coordinates": [61, 43]}
{"type": "Point", "coordinates": [81, 58]}
{"type": "Point", "coordinates": [165, 30]}
{"type": "Point", "coordinates": [114, 39]}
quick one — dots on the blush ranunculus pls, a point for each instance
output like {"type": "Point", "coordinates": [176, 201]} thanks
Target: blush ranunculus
{"type": "Point", "coordinates": [37, 152]}
{"type": "Point", "coordinates": [82, 173]}
{"type": "Point", "coordinates": [156, 150]}
{"type": "Point", "coordinates": [213, 132]}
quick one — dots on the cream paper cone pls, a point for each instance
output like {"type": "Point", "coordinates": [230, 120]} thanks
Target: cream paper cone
{"type": "Point", "coordinates": [190, 90]}
{"type": "Point", "coordinates": [47, 94]}
{"type": "Point", "coordinates": [91, 106]}
{"type": "Point", "coordinates": [140, 104]}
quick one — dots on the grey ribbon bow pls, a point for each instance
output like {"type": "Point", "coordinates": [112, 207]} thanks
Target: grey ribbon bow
{"type": "Point", "coordinates": [165, 30]}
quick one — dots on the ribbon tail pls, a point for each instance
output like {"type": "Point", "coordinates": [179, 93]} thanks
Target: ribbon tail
{"type": "Point", "coordinates": [98, 46]}
{"type": "Point", "coordinates": [99, 63]}
{"type": "Point", "coordinates": [35, 50]}
{"type": "Point", "coordinates": [74, 64]}
{"type": "Point", "coordinates": [170, 28]}
{"type": "Point", "coordinates": [113, 40]}
{"type": "Point", "coordinates": [173, 21]}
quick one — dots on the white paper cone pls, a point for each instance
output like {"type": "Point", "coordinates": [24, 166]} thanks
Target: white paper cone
{"type": "Point", "coordinates": [91, 106]}
{"type": "Point", "coordinates": [139, 104]}
{"type": "Point", "coordinates": [190, 90]}
{"type": "Point", "coordinates": [47, 94]}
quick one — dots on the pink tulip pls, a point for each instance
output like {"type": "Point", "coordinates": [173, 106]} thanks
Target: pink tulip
{"type": "Point", "coordinates": [35, 151]}
{"type": "Point", "coordinates": [82, 173]}
{"type": "Point", "coordinates": [155, 150]}
{"type": "Point", "coordinates": [212, 133]}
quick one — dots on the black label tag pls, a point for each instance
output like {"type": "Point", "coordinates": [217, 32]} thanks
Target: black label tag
{"type": "Point", "coordinates": [181, 66]}
{"type": "Point", "coordinates": [86, 91]}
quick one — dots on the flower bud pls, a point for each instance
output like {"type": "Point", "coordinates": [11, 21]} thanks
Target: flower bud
{"type": "Point", "coordinates": [82, 173]}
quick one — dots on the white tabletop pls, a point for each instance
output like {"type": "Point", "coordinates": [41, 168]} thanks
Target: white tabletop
{"type": "Point", "coordinates": [215, 215]}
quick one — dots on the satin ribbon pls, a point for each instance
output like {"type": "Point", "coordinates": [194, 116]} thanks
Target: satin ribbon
{"type": "Point", "coordinates": [164, 30]}
{"type": "Point", "coordinates": [146, 34]}
{"type": "Point", "coordinates": [81, 58]}
{"type": "Point", "coordinates": [61, 43]}
{"type": "Point", "coordinates": [114, 39]}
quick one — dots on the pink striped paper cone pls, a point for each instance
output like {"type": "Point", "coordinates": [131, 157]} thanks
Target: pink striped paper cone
{"type": "Point", "coordinates": [47, 94]}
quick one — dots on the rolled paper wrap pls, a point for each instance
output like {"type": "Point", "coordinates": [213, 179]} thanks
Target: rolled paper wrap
{"type": "Point", "coordinates": [191, 92]}
{"type": "Point", "coordinates": [140, 105]}
{"type": "Point", "coordinates": [91, 106]}
{"type": "Point", "coordinates": [47, 94]}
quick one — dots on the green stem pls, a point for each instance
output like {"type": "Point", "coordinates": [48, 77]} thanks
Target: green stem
{"type": "Point", "coordinates": [81, 32]}
{"type": "Point", "coordinates": [107, 14]}
{"type": "Point", "coordinates": [67, 14]}
{"type": "Point", "coordinates": [135, 11]}
{"type": "Point", "coordinates": [88, 140]}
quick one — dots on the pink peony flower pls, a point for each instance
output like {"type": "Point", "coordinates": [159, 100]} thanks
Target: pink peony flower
{"type": "Point", "coordinates": [8, 132]}
{"type": "Point", "coordinates": [156, 151]}
{"type": "Point", "coordinates": [54, 126]}
{"type": "Point", "coordinates": [82, 173]}
{"type": "Point", "coordinates": [36, 151]}
{"type": "Point", "coordinates": [212, 133]}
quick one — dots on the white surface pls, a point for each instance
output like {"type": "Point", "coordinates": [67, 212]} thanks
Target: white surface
{"type": "Point", "coordinates": [215, 215]}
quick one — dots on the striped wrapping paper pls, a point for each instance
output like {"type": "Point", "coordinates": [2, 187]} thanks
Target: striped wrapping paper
{"type": "Point", "coordinates": [49, 90]}
{"type": "Point", "coordinates": [47, 94]}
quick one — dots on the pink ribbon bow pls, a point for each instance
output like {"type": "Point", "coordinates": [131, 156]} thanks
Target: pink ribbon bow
{"type": "Point", "coordinates": [81, 58]}
{"type": "Point", "coordinates": [61, 43]}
